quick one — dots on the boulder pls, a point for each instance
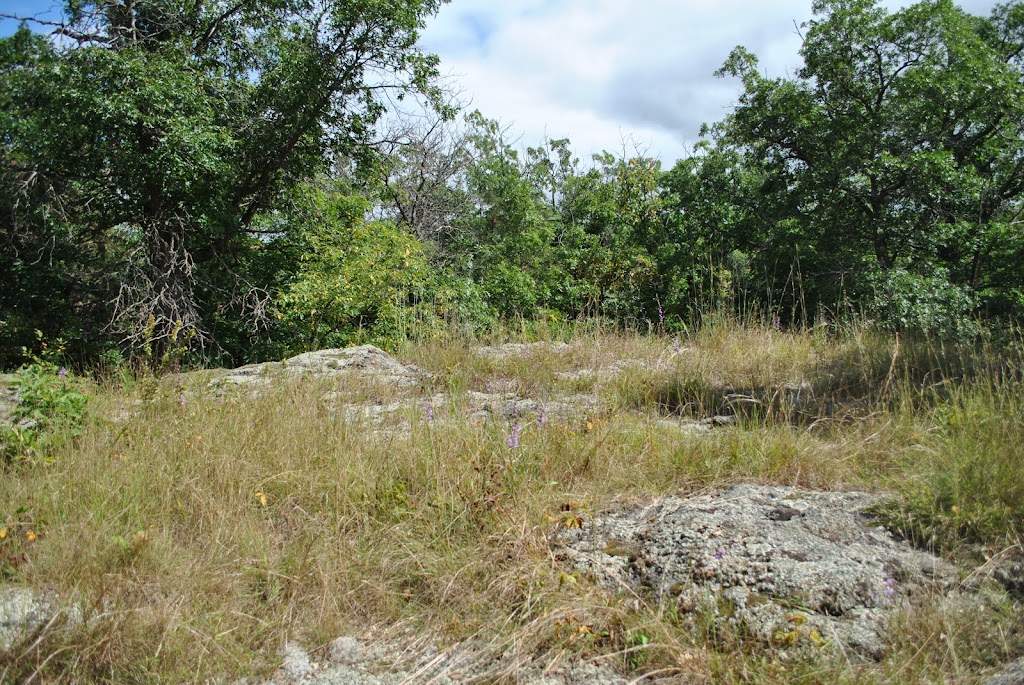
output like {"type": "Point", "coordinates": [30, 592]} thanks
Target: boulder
{"type": "Point", "coordinates": [792, 567]}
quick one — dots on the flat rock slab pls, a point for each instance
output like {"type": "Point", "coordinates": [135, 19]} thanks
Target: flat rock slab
{"type": "Point", "coordinates": [511, 407]}
{"type": "Point", "coordinates": [366, 361]}
{"type": "Point", "coordinates": [519, 349]}
{"type": "Point", "coordinates": [349, 661]}
{"type": "Point", "coordinates": [607, 372]}
{"type": "Point", "coordinates": [792, 567]}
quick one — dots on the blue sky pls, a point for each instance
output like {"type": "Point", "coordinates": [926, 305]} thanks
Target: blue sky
{"type": "Point", "coordinates": [604, 73]}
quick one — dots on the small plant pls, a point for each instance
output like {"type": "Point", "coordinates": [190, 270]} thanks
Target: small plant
{"type": "Point", "coordinates": [50, 410]}
{"type": "Point", "coordinates": [637, 642]}
{"type": "Point", "coordinates": [16, 541]}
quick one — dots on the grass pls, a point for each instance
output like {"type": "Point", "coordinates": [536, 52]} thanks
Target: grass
{"type": "Point", "coordinates": [200, 537]}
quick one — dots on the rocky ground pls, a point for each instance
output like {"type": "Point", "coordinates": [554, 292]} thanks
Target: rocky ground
{"type": "Point", "coordinates": [807, 569]}
{"type": "Point", "coordinates": [792, 566]}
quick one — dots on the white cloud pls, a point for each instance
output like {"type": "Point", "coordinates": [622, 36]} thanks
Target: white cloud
{"type": "Point", "coordinates": [598, 71]}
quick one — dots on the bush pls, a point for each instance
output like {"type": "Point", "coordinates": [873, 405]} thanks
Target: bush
{"type": "Point", "coordinates": [360, 281]}
{"type": "Point", "coordinates": [926, 304]}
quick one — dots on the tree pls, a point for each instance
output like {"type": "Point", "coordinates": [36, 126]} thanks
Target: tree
{"type": "Point", "coordinates": [616, 207]}
{"type": "Point", "coordinates": [893, 164]}
{"type": "Point", "coordinates": [420, 181]}
{"type": "Point", "coordinates": [153, 133]}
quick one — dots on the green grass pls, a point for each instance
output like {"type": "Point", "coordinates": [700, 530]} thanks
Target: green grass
{"type": "Point", "coordinates": [199, 538]}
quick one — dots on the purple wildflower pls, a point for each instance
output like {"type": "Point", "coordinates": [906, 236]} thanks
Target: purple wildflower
{"type": "Point", "coordinates": [63, 372]}
{"type": "Point", "coordinates": [890, 590]}
{"type": "Point", "coordinates": [430, 412]}
{"type": "Point", "coordinates": [720, 554]}
{"type": "Point", "coordinates": [541, 418]}
{"type": "Point", "coordinates": [513, 439]}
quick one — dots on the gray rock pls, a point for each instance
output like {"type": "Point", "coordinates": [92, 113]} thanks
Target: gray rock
{"type": "Point", "coordinates": [345, 650]}
{"type": "Point", "coordinates": [791, 566]}
{"type": "Point", "coordinates": [23, 612]}
{"type": "Point", "coordinates": [1008, 570]}
{"type": "Point", "coordinates": [719, 421]}
{"type": "Point", "coordinates": [365, 361]}
{"type": "Point", "coordinates": [519, 349]}
{"type": "Point", "coordinates": [394, 662]}
{"type": "Point", "coordinates": [605, 373]}
{"type": "Point", "coordinates": [296, 665]}
{"type": "Point", "coordinates": [508, 406]}
{"type": "Point", "coordinates": [686, 426]}
{"type": "Point", "coordinates": [8, 399]}
{"type": "Point", "coordinates": [1011, 674]}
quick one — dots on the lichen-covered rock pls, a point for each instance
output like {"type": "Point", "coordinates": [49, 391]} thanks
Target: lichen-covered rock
{"type": "Point", "coordinates": [509, 406]}
{"type": "Point", "coordinates": [607, 372]}
{"type": "Point", "coordinates": [792, 567]}
{"type": "Point", "coordinates": [23, 613]}
{"type": "Point", "coordinates": [345, 650]}
{"type": "Point", "coordinates": [365, 361]}
{"type": "Point", "coordinates": [295, 666]}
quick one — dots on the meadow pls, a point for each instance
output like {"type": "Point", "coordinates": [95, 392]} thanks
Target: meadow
{"type": "Point", "coordinates": [198, 531]}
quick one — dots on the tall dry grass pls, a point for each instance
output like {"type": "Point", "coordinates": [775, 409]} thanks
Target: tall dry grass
{"type": "Point", "coordinates": [199, 536]}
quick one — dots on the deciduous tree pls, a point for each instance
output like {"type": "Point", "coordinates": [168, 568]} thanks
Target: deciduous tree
{"type": "Point", "coordinates": [153, 132]}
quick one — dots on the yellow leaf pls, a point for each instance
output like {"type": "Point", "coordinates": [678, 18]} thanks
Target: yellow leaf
{"type": "Point", "coordinates": [3, 533]}
{"type": "Point", "coordinates": [31, 535]}
{"type": "Point", "coordinates": [262, 498]}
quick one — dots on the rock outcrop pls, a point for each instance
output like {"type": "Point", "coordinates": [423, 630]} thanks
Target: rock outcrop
{"type": "Point", "coordinates": [1010, 674]}
{"type": "Point", "coordinates": [509, 350]}
{"type": "Point", "coordinates": [789, 566]}
{"type": "Point", "coordinates": [365, 361]}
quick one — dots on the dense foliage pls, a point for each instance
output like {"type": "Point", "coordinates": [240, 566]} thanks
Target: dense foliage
{"type": "Point", "coordinates": [213, 175]}
{"type": "Point", "coordinates": [143, 139]}
{"type": "Point", "coordinates": [891, 167]}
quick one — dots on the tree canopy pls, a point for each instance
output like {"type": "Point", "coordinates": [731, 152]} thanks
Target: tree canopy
{"type": "Point", "coordinates": [141, 139]}
{"type": "Point", "coordinates": [892, 165]}
{"type": "Point", "coordinates": [220, 175]}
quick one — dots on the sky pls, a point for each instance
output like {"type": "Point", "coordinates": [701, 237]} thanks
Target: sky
{"type": "Point", "coordinates": [606, 74]}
